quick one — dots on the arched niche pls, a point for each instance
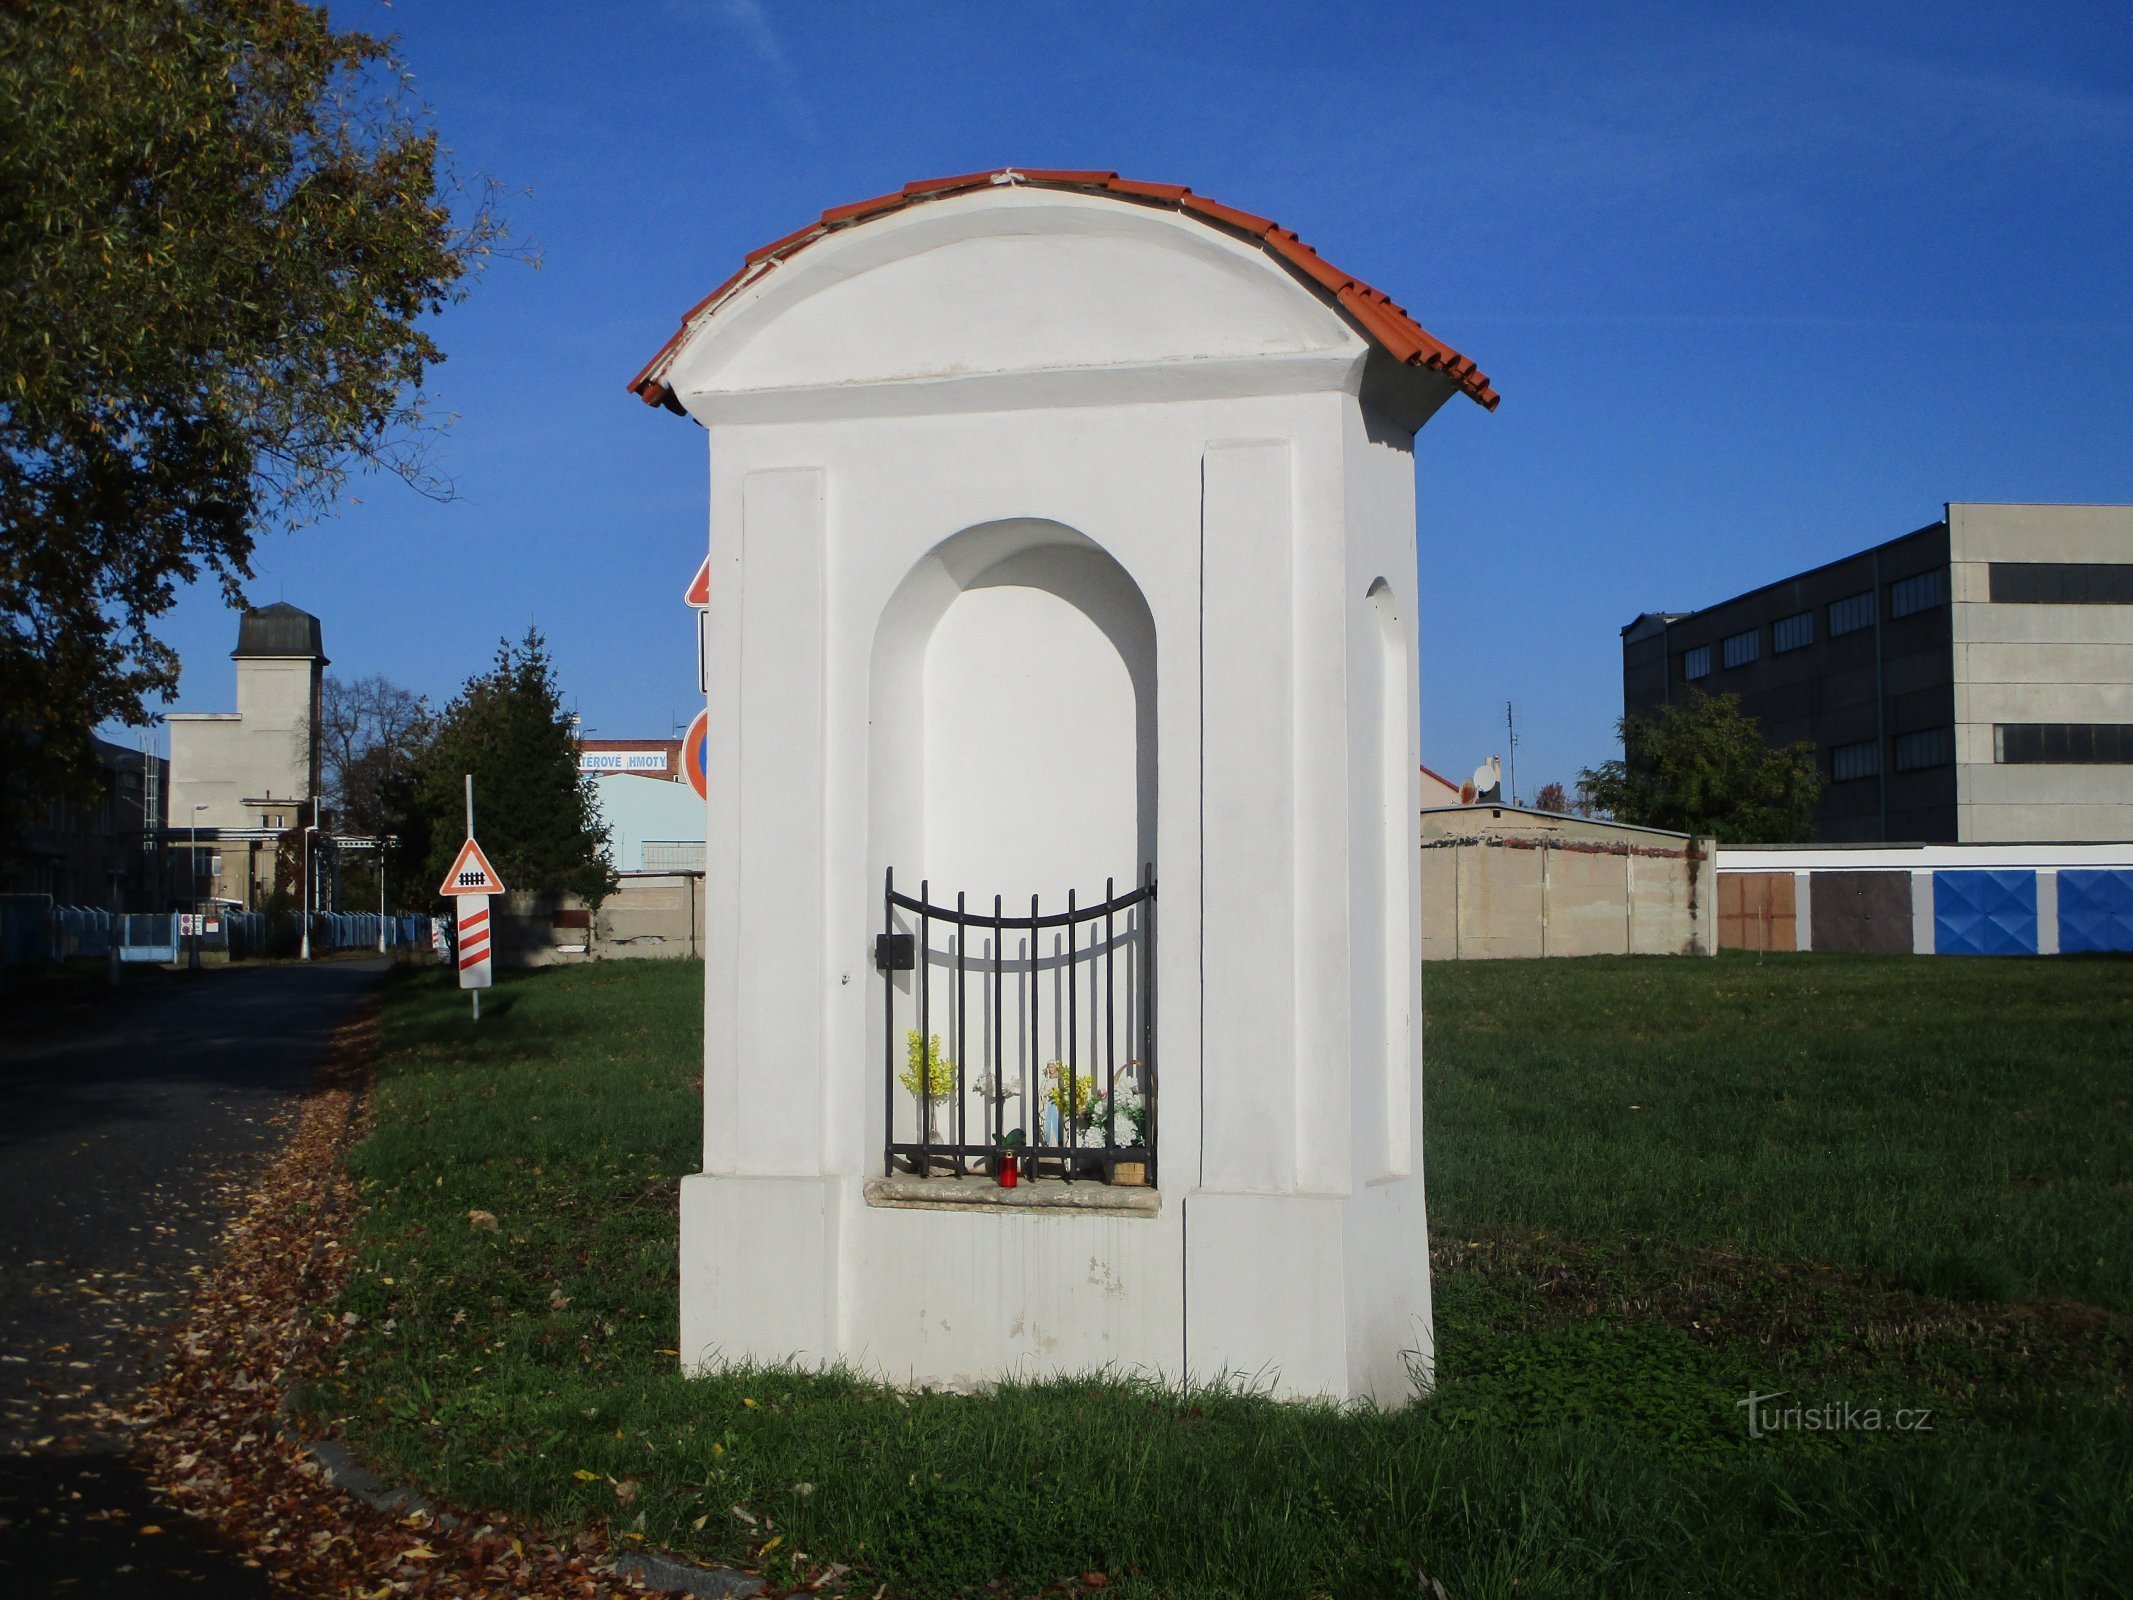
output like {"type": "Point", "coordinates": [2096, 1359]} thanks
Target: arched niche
{"type": "Point", "coordinates": [1013, 755]}
{"type": "Point", "coordinates": [1013, 719]}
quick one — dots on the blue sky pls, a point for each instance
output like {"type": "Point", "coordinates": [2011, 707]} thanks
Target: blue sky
{"type": "Point", "coordinates": [1757, 293]}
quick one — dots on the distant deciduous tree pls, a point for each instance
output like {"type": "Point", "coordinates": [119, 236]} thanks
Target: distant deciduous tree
{"type": "Point", "coordinates": [1552, 798]}
{"type": "Point", "coordinates": [533, 808]}
{"type": "Point", "coordinates": [222, 234]}
{"type": "Point", "coordinates": [1703, 766]}
{"type": "Point", "coordinates": [372, 735]}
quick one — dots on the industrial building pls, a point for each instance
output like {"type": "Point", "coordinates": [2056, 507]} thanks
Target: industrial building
{"type": "Point", "coordinates": [1971, 681]}
{"type": "Point", "coordinates": [241, 779]}
{"type": "Point", "coordinates": [101, 852]}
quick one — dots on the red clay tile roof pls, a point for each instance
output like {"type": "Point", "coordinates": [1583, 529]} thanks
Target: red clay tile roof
{"type": "Point", "coordinates": [1379, 318]}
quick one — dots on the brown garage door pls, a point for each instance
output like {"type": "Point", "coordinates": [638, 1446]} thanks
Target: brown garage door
{"type": "Point", "coordinates": [1755, 911]}
{"type": "Point", "coordinates": [1864, 911]}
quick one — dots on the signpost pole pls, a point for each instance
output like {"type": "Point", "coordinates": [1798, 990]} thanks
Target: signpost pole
{"type": "Point", "coordinates": [470, 884]}
{"type": "Point", "coordinates": [476, 993]}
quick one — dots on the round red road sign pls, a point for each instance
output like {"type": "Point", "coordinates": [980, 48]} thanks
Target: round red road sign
{"type": "Point", "coordinates": [695, 759]}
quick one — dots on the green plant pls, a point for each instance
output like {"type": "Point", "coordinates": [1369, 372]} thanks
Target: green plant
{"type": "Point", "coordinates": [228, 232]}
{"type": "Point", "coordinates": [1070, 1093]}
{"type": "Point", "coordinates": [924, 1063]}
{"type": "Point", "coordinates": [509, 727]}
{"type": "Point", "coordinates": [1703, 766]}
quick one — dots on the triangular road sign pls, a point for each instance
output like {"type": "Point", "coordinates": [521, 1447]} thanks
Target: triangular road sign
{"type": "Point", "coordinates": [471, 874]}
{"type": "Point", "coordinates": [699, 592]}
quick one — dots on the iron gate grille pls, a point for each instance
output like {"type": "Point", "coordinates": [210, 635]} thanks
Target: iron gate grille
{"type": "Point", "coordinates": [1069, 1142]}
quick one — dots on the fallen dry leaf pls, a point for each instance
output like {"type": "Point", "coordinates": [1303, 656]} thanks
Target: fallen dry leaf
{"type": "Point", "coordinates": [260, 1322]}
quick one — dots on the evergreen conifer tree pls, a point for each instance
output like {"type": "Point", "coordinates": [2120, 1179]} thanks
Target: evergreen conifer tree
{"type": "Point", "coordinates": [533, 810]}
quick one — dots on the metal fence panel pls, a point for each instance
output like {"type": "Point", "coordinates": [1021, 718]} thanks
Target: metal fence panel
{"type": "Point", "coordinates": [2095, 911]}
{"type": "Point", "coordinates": [1867, 912]}
{"type": "Point", "coordinates": [148, 937]}
{"type": "Point", "coordinates": [1984, 912]}
{"type": "Point", "coordinates": [25, 931]}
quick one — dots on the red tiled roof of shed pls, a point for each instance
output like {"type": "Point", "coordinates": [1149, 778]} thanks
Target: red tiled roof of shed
{"type": "Point", "coordinates": [1384, 322]}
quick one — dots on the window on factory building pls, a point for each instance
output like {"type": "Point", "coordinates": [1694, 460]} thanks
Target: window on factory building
{"type": "Point", "coordinates": [2063, 583]}
{"type": "Point", "coordinates": [1743, 648]}
{"type": "Point", "coordinates": [2063, 743]}
{"type": "Point", "coordinates": [1792, 633]}
{"type": "Point", "coordinates": [1909, 596]}
{"type": "Point", "coordinates": [1848, 761]}
{"type": "Point", "coordinates": [673, 855]}
{"type": "Point", "coordinates": [1850, 615]}
{"type": "Point", "coordinates": [1696, 663]}
{"type": "Point", "coordinates": [1934, 747]}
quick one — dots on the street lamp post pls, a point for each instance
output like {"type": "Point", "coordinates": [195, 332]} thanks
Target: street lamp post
{"type": "Point", "coordinates": [309, 830]}
{"type": "Point", "coordinates": [192, 863]}
{"type": "Point", "coordinates": [381, 894]}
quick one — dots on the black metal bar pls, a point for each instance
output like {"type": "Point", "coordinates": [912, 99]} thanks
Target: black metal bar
{"type": "Point", "coordinates": [954, 1144]}
{"type": "Point", "coordinates": [1073, 1063]}
{"type": "Point", "coordinates": [925, 1032]}
{"type": "Point", "coordinates": [962, 1028]}
{"type": "Point", "coordinates": [1055, 919]}
{"type": "Point", "coordinates": [888, 1031]}
{"type": "Point", "coordinates": [1110, 1023]}
{"type": "Point", "coordinates": [1034, 1087]}
{"type": "Point", "coordinates": [1148, 1077]}
{"type": "Point", "coordinates": [999, 1061]}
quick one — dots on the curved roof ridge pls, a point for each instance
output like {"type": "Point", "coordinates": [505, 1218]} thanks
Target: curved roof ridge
{"type": "Point", "coordinates": [1381, 319]}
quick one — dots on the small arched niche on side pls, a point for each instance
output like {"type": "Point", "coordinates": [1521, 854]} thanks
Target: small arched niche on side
{"type": "Point", "coordinates": [1013, 720]}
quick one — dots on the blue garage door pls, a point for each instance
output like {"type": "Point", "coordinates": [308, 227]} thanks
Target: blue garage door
{"type": "Point", "coordinates": [2095, 911]}
{"type": "Point", "coordinates": [1982, 913]}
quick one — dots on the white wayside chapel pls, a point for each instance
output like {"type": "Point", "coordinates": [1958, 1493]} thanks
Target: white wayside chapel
{"type": "Point", "coordinates": [1063, 796]}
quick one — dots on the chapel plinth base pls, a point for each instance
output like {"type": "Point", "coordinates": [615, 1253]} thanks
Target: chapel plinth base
{"type": "Point", "coordinates": [758, 1271]}
{"type": "Point", "coordinates": [1301, 1296]}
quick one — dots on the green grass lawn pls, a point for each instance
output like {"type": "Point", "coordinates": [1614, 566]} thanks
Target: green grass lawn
{"type": "Point", "coordinates": [1657, 1185]}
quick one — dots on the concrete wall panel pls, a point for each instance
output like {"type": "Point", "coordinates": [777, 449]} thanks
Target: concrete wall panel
{"type": "Point", "coordinates": [1588, 907]}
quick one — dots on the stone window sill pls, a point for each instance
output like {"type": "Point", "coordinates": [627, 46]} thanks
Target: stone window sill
{"type": "Point", "coordinates": [1089, 1195]}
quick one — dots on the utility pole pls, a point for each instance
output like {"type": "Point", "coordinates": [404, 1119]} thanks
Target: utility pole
{"type": "Point", "coordinates": [192, 862]}
{"type": "Point", "coordinates": [1510, 728]}
{"type": "Point", "coordinates": [308, 832]}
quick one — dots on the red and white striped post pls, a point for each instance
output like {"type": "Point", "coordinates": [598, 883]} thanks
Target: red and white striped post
{"type": "Point", "coordinates": [469, 884]}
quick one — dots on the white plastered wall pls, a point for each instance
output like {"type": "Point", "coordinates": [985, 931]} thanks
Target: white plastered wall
{"type": "Point", "coordinates": [2037, 663]}
{"type": "Point", "coordinates": [1196, 436]}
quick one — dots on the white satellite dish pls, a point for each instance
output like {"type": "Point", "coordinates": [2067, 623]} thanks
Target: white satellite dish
{"type": "Point", "coordinates": [1488, 782]}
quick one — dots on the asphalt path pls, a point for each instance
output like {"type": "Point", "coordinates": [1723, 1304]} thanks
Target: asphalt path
{"type": "Point", "coordinates": [127, 1135]}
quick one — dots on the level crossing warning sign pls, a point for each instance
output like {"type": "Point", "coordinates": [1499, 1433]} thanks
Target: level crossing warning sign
{"type": "Point", "coordinates": [469, 884]}
{"type": "Point", "coordinates": [471, 874]}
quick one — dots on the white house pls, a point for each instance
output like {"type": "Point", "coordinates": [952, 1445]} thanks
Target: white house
{"type": "Point", "coordinates": [1062, 542]}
